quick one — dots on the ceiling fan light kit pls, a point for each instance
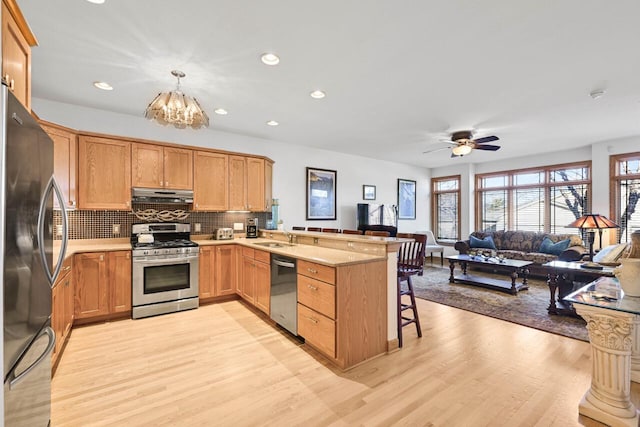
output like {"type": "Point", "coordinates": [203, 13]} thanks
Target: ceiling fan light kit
{"type": "Point", "coordinates": [177, 109]}
{"type": "Point", "coordinates": [461, 150]}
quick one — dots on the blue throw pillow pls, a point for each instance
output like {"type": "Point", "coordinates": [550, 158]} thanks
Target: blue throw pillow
{"type": "Point", "coordinates": [486, 243]}
{"type": "Point", "coordinates": [548, 247]}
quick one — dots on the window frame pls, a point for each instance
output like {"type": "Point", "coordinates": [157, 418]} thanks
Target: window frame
{"type": "Point", "coordinates": [615, 178]}
{"type": "Point", "coordinates": [546, 185]}
{"type": "Point", "coordinates": [434, 205]}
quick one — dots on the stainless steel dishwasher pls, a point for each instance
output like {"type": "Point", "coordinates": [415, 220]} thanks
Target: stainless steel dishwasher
{"type": "Point", "coordinates": [284, 292]}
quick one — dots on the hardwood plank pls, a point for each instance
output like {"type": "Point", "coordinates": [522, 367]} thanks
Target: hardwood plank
{"type": "Point", "coordinates": [224, 365]}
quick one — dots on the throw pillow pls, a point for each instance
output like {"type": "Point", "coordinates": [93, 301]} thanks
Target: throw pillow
{"type": "Point", "coordinates": [486, 243]}
{"type": "Point", "coordinates": [610, 254]}
{"type": "Point", "coordinates": [548, 247]}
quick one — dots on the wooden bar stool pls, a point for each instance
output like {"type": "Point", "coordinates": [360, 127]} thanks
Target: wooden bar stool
{"type": "Point", "coordinates": [351, 231]}
{"type": "Point", "coordinates": [314, 229]}
{"type": "Point", "coordinates": [330, 230]}
{"type": "Point", "coordinates": [297, 228]}
{"type": "Point", "coordinates": [410, 263]}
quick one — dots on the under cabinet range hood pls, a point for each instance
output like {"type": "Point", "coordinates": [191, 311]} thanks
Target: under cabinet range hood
{"type": "Point", "coordinates": [158, 195]}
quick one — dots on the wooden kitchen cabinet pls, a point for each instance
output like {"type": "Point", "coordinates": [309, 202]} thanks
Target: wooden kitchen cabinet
{"type": "Point", "coordinates": [256, 201]}
{"type": "Point", "coordinates": [337, 304]}
{"type": "Point", "coordinates": [92, 285]}
{"type": "Point", "coordinates": [17, 40]}
{"type": "Point", "coordinates": [104, 173]}
{"type": "Point", "coordinates": [256, 278]}
{"type": "Point", "coordinates": [119, 272]}
{"type": "Point", "coordinates": [62, 311]}
{"type": "Point", "coordinates": [237, 183]}
{"type": "Point", "coordinates": [225, 270]}
{"type": "Point", "coordinates": [65, 151]}
{"type": "Point", "coordinates": [268, 183]}
{"type": "Point", "coordinates": [103, 284]}
{"type": "Point", "coordinates": [156, 166]}
{"type": "Point", "coordinates": [210, 181]}
{"type": "Point", "coordinates": [206, 272]}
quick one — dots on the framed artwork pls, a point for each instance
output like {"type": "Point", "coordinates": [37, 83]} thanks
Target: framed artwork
{"type": "Point", "coordinates": [321, 194]}
{"type": "Point", "coordinates": [369, 192]}
{"type": "Point", "coordinates": [406, 199]}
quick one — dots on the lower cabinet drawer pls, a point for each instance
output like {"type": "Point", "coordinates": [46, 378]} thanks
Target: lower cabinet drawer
{"type": "Point", "coordinates": [317, 295]}
{"type": "Point", "coordinates": [317, 330]}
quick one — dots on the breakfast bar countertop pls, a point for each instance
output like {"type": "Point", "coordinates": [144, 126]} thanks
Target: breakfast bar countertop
{"type": "Point", "coordinates": [320, 255]}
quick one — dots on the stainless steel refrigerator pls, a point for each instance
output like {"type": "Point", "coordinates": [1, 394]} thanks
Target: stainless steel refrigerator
{"type": "Point", "coordinates": [27, 189]}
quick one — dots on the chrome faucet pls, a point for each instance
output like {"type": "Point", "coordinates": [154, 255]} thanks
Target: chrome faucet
{"type": "Point", "coordinates": [290, 237]}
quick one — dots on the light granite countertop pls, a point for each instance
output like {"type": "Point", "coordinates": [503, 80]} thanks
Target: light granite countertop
{"type": "Point", "coordinates": [321, 255]}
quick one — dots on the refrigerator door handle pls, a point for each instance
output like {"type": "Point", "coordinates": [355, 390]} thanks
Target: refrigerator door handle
{"type": "Point", "coordinates": [15, 380]}
{"type": "Point", "coordinates": [52, 185]}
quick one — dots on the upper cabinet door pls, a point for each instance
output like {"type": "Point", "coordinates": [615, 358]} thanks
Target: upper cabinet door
{"type": "Point", "coordinates": [255, 185]}
{"type": "Point", "coordinates": [147, 165]}
{"type": "Point", "coordinates": [211, 181]}
{"type": "Point", "coordinates": [104, 173]}
{"type": "Point", "coordinates": [17, 40]}
{"type": "Point", "coordinates": [64, 162]}
{"type": "Point", "coordinates": [268, 183]}
{"type": "Point", "coordinates": [237, 183]}
{"type": "Point", "coordinates": [178, 168]}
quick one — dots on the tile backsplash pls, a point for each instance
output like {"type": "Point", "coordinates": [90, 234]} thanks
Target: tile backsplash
{"type": "Point", "coordinates": [100, 224]}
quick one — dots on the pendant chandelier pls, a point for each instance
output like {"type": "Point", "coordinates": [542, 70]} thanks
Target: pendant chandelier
{"type": "Point", "coordinates": [177, 109]}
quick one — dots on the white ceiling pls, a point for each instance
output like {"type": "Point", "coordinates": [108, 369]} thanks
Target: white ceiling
{"type": "Point", "coordinates": [399, 75]}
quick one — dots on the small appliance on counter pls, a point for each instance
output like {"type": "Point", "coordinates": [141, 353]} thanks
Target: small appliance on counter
{"type": "Point", "coordinates": [223, 234]}
{"type": "Point", "coordinates": [252, 228]}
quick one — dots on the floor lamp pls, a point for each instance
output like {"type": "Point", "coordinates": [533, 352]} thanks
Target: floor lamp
{"type": "Point", "coordinates": [590, 223]}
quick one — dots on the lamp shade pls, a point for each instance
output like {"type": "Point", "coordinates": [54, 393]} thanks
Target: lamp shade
{"type": "Point", "coordinates": [593, 221]}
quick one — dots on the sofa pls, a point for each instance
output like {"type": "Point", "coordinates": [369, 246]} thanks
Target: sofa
{"type": "Point", "coordinates": [527, 246]}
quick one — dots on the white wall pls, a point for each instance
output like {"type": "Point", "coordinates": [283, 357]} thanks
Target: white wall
{"type": "Point", "coordinates": [289, 171]}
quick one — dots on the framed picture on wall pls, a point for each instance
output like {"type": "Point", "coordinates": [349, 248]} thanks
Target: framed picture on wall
{"type": "Point", "coordinates": [406, 199]}
{"type": "Point", "coordinates": [369, 192]}
{"type": "Point", "coordinates": [321, 194]}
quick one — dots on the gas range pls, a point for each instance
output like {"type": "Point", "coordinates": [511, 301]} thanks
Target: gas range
{"type": "Point", "coordinates": [164, 269]}
{"type": "Point", "coordinates": [158, 239]}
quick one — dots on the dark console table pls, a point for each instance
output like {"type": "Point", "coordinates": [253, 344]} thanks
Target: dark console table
{"type": "Point", "coordinates": [512, 266]}
{"type": "Point", "coordinates": [561, 278]}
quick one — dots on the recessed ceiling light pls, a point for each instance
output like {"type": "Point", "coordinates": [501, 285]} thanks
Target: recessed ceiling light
{"type": "Point", "coordinates": [270, 58]}
{"type": "Point", "coordinates": [272, 123]}
{"type": "Point", "coordinates": [103, 85]}
{"type": "Point", "coordinates": [318, 94]}
{"type": "Point", "coordinates": [96, 1]}
{"type": "Point", "coordinates": [220, 111]}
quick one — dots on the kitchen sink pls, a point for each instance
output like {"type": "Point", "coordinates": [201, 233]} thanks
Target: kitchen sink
{"type": "Point", "coordinates": [271, 244]}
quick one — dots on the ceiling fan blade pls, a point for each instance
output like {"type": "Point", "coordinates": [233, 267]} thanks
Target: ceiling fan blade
{"type": "Point", "coordinates": [434, 150]}
{"type": "Point", "coordinates": [487, 147]}
{"type": "Point", "coordinates": [486, 139]}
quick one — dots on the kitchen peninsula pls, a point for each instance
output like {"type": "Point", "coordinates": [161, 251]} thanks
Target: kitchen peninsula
{"type": "Point", "coordinates": [348, 309]}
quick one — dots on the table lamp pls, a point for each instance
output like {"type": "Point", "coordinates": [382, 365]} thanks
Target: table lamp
{"type": "Point", "coordinates": [590, 223]}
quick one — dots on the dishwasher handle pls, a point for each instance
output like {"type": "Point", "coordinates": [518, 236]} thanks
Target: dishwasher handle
{"type": "Point", "coordinates": [284, 263]}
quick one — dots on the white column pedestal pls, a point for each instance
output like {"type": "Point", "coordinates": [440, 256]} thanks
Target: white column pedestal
{"type": "Point", "coordinates": [609, 398]}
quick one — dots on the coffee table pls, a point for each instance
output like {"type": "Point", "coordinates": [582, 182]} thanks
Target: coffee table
{"type": "Point", "coordinates": [513, 266]}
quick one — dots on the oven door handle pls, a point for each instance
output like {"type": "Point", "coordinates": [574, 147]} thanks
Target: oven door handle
{"type": "Point", "coordinates": [165, 261]}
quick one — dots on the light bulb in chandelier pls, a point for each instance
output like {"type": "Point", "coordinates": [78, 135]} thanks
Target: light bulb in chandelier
{"type": "Point", "coordinates": [177, 109]}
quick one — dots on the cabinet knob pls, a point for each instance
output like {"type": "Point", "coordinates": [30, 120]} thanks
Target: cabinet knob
{"type": "Point", "coordinates": [72, 202]}
{"type": "Point", "coordinates": [160, 183]}
{"type": "Point", "coordinates": [313, 288]}
{"type": "Point", "coordinates": [101, 257]}
{"type": "Point", "coordinates": [312, 271]}
{"type": "Point", "coordinates": [312, 319]}
{"type": "Point", "coordinates": [128, 255]}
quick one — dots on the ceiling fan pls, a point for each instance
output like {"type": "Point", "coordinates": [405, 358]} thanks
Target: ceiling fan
{"type": "Point", "coordinates": [463, 143]}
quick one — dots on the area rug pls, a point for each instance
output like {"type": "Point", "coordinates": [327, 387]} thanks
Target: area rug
{"type": "Point", "coordinates": [528, 307]}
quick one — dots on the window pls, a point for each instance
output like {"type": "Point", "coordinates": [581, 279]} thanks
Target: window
{"type": "Point", "coordinates": [446, 207]}
{"type": "Point", "coordinates": [625, 183]}
{"type": "Point", "coordinates": [543, 199]}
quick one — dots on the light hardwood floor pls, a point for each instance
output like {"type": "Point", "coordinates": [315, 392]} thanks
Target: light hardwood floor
{"type": "Point", "coordinates": [223, 365]}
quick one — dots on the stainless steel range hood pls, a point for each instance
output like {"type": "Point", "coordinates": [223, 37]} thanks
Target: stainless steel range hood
{"type": "Point", "coordinates": [159, 195]}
